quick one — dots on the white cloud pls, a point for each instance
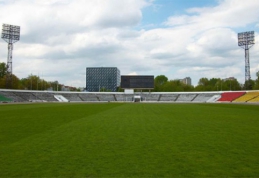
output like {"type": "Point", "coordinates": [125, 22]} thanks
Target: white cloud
{"type": "Point", "coordinates": [229, 13]}
{"type": "Point", "coordinates": [133, 73]}
{"type": "Point", "coordinates": [61, 38]}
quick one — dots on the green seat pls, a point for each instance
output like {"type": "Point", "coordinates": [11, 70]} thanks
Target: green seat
{"type": "Point", "coordinates": [3, 98]}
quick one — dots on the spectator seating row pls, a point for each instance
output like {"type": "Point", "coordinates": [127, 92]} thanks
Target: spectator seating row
{"type": "Point", "coordinates": [256, 99]}
{"type": "Point", "coordinates": [230, 96]}
{"type": "Point", "coordinates": [107, 97]}
{"type": "Point", "coordinates": [206, 97]}
{"type": "Point", "coordinates": [89, 97]}
{"type": "Point", "coordinates": [247, 97]}
{"type": "Point", "coordinates": [3, 98]}
{"type": "Point", "coordinates": [71, 96]}
{"type": "Point", "coordinates": [186, 97]}
{"type": "Point", "coordinates": [26, 96]}
{"type": "Point", "coordinates": [45, 96]}
{"type": "Point", "coordinates": [126, 97]}
{"type": "Point", "coordinates": [12, 95]}
{"type": "Point", "coordinates": [168, 97]}
{"type": "Point", "coordinates": [214, 98]}
{"type": "Point", "coordinates": [150, 97]}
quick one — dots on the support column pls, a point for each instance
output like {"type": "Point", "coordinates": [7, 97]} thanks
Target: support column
{"type": "Point", "coordinates": [9, 72]}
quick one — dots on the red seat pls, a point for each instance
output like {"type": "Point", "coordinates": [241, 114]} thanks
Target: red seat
{"type": "Point", "coordinates": [230, 96]}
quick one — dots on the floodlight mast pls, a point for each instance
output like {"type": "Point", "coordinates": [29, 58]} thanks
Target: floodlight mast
{"type": "Point", "coordinates": [11, 34]}
{"type": "Point", "coordinates": [246, 41]}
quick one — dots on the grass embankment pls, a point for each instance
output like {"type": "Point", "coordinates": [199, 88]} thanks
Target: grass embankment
{"type": "Point", "coordinates": [129, 140]}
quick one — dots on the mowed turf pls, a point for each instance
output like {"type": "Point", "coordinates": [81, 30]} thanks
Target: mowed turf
{"type": "Point", "coordinates": [129, 140]}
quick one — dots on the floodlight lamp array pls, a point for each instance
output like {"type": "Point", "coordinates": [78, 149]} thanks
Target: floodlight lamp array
{"type": "Point", "coordinates": [246, 38]}
{"type": "Point", "coordinates": [10, 33]}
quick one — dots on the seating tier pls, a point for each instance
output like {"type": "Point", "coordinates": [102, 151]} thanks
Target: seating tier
{"type": "Point", "coordinates": [230, 96]}
{"type": "Point", "coordinates": [246, 97]}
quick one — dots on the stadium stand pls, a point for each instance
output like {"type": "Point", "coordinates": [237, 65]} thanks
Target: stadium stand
{"type": "Point", "coordinates": [124, 97]}
{"type": "Point", "coordinates": [255, 99]}
{"type": "Point", "coordinates": [213, 99]}
{"type": "Point", "coordinates": [186, 97]}
{"type": "Point", "coordinates": [106, 97]}
{"type": "Point", "coordinates": [128, 97]}
{"type": "Point", "coordinates": [45, 96]}
{"type": "Point", "coordinates": [150, 97]}
{"type": "Point", "coordinates": [246, 97]}
{"type": "Point", "coordinates": [119, 97]}
{"type": "Point", "coordinates": [88, 97]}
{"type": "Point", "coordinates": [205, 97]}
{"type": "Point", "coordinates": [230, 96]}
{"type": "Point", "coordinates": [27, 96]}
{"type": "Point", "coordinates": [12, 96]}
{"type": "Point", "coordinates": [72, 96]}
{"type": "Point", "coordinates": [61, 98]}
{"type": "Point", "coordinates": [49, 96]}
{"type": "Point", "coordinates": [169, 97]}
{"type": "Point", "coordinates": [4, 99]}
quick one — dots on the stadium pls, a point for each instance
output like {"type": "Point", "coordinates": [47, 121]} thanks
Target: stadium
{"type": "Point", "coordinates": [93, 135]}
{"type": "Point", "coordinates": [130, 133]}
{"type": "Point", "coordinates": [110, 78]}
{"type": "Point", "coordinates": [125, 134]}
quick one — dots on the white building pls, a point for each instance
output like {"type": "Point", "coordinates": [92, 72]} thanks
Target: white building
{"type": "Point", "coordinates": [186, 80]}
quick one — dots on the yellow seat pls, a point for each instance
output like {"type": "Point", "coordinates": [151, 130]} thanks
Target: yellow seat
{"type": "Point", "coordinates": [256, 99]}
{"type": "Point", "coordinates": [247, 97]}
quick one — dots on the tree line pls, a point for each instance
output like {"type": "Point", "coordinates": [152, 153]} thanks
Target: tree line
{"type": "Point", "coordinates": [32, 82]}
{"type": "Point", "coordinates": [162, 84]}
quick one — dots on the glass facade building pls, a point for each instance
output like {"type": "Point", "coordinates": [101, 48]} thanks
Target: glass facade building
{"type": "Point", "coordinates": [102, 79]}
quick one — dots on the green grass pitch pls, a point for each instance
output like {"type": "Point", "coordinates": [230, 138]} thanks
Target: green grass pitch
{"type": "Point", "coordinates": [129, 140]}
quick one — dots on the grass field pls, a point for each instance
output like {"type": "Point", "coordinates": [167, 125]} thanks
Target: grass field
{"type": "Point", "coordinates": [129, 140]}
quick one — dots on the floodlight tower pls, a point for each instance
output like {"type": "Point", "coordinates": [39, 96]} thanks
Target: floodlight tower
{"type": "Point", "coordinates": [246, 41]}
{"type": "Point", "coordinates": [11, 34]}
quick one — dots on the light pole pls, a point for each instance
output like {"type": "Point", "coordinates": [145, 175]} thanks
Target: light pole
{"type": "Point", "coordinates": [31, 81]}
{"type": "Point", "coordinates": [246, 41]}
{"type": "Point", "coordinates": [11, 34]}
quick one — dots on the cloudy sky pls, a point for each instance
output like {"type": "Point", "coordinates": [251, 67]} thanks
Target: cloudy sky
{"type": "Point", "coordinates": [175, 38]}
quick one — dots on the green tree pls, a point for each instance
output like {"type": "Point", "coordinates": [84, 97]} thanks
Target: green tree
{"type": "Point", "coordinates": [232, 85]}
{"type": "Point", "coordinates": [16, 83]}
{"type": "Point", "coordinates": [2, 82]}
{"type": "Point", "coordinates": [187, 87]}
{"type": "Point", "coordinates": [217, 84]}
{"type": "Point", "coordinates": [34, 82]}
{"type": "Point", "coordinates": [3, 69]}
{"type": "Point", "coordinates": [103, 89]}
{"type": "Point", "coordinates": [55, 86]}
{"type": "Point", "coordinates": [256, 87]}
{"type": "Point", "coordinates": [202, 84]}
{"type": "Point", "coordinates": [167, 86]}
{"type": "Point", "coordinates": [249, 85]}
{"type": "Point", "coordinates": [176, 85]}
{"type": "Point", "coordinates": [160, 80]}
